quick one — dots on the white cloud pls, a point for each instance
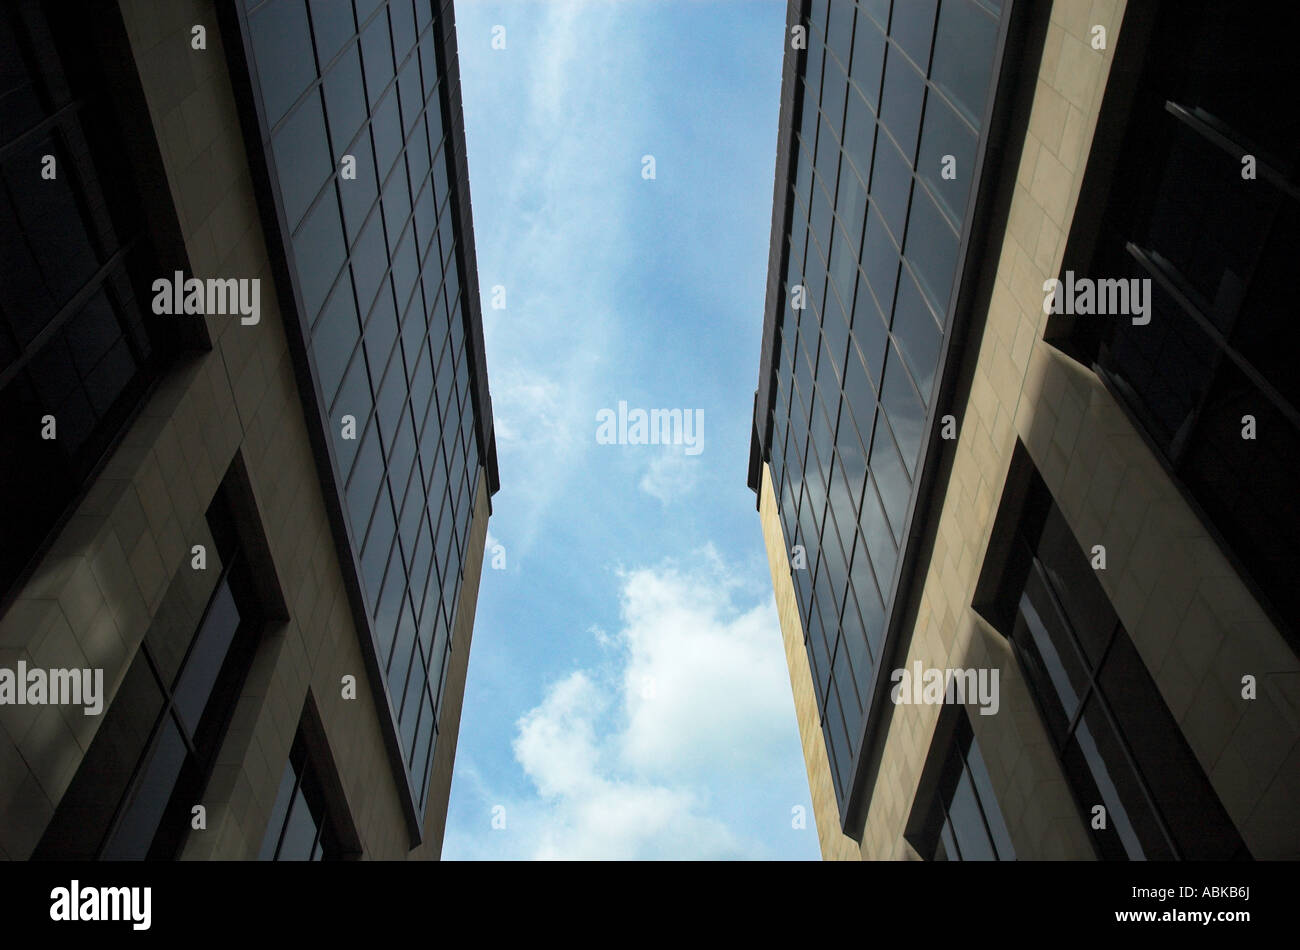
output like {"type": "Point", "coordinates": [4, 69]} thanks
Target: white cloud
{"type": "Point", "coordinates": [706, 685]}
{"type": "Point", "coordinates": [639, 760]}
{"type": "Point", "coordinates": [671, 474]}
{"type": "Point", "coordinates": [602, 636]}
{"type": "Point", "coordinates": [559, 197]}
{"type": "Point", "coordinates": [556, 743]}
{"type": "Point", "coordinates": [529, 409]}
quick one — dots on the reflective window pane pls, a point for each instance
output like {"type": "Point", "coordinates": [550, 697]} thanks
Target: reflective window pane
{"type": "Point", "coordinates": [891, 186]}
{"type": "Point", "coordinates": [932, 249]}
{"type": "Point", "coordinates": [282, 51]}
{"type": "Point", "coordinates": [303, 154]}
{"type": "Point", "coordinates": [332, 25]}
{"type": "Point", "coordinates": [912, 28]}
{"type": "Point", "coordinates": [900, 106]}
{"type": "Point", "coordinates": [905, 409]}
{"type": "Point", "coordinates": [963, 56]}
{"type": "Point", "coordinates": [369, 260]}
{"type": "Point", "coordinates": [335, 337]}
{"type": "Point", "coordinates": [918, 334]}
{"type": "Point", "coordinates": [891, 480]}
{"type": "Point", "coordinates": [839, 30]}
{"type": "Point", "coordinates": [947, 135]}
{"type": "Point", "coordinates": [345, 100]}
{"type": "Point", "coordinates": [377, 58]}
{"type": "Point", "coordinates": [403, 25]}
{"type": "Point", "coordinates": [386, 131]}
{"type": "Point", "coordinates": [859, 135]}
{"type": "Point", "coordinates": [868, 60]}
{"type": "Point", "coordinates": [320, 241]}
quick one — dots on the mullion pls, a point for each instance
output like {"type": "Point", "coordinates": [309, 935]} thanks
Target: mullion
{"type": "Point", "coordinates": [362, 134]}
{"type": "Point", "coordinates": [293, 801]}
{"type": "Point", "coordinates": [56, 120]}
{"type": "Point", "coordinates": [1142, 783]}
{"type": "Point", "coordinates": [1094, 691]}
{"type": "Point", "coordinates": [376, 208]}
{"type": "Point", "coordinates": [1089, 668]}
{"type": "Point", "coordinates": [1171, 284]}
{"type": "Point", "coordinates": [65, 313]}
{"type": "Point", "coordinates": [966, 738]}
{"type": "Point", "coordinates": [353, 40]}
{"type": "Point", "coordinates": [146, 755]}
{"type": "Point", "coordinates": [167, 712]}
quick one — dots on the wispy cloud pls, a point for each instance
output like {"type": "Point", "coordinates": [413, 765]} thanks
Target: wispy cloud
{"type": "Point", "coordinates": [529, 409]}
{"type": "Point", "coordinates": [558, 244]}
{"type": "Point", "coordinates": [671, 474]}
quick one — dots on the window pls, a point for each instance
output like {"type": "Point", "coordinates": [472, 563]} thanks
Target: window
{"type": "Point", "coordinates": [310, 819]}
{"type": "Point", "coordinates": [1117, 742]}
{"type": "Point", "coordinates": [78, 341]}
{"type": "Point", "coordinates": [1217, 250]}
{"type": "Point", "coordinates": [956, 816]}
{"type": "Point", "coordinates": [151, 759]}
{"type": "Point", "coordinates": [300, 828]}
{"type": "Point", "coordinates": [283, 50]}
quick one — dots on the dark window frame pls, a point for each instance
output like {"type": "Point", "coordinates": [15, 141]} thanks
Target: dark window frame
{"type": "Point", "coordinates": [257, 599]}
{"type": "Point", "coordinates": [1026, 515]}
{"type": "Point", "coordinates": [311, 764]}
{"type": "Point", "coordinates": [949, 758]}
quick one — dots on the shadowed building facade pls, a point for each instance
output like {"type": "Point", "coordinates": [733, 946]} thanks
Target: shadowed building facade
{"type": "Point", "coordinates": [959, 469]}
{"type": "Point", "coordinates": [265, 526]}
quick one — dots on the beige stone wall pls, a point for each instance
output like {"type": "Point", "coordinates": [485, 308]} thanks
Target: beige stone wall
{"type": "Point", "coordinates": [835, 845]}
{"type": "Point", "coordinates": [1194, 622]}
{"type": "Point", "coordinates": [103, 583]}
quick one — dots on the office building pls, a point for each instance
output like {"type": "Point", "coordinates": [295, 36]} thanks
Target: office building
{"type": "Point", "coordinates": [249, 443]}
{"type": "Point", "coordinates": [1025, 427]}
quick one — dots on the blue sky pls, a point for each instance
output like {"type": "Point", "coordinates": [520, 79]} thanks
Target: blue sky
{"type": "Point", "coordinates": [627, 693]}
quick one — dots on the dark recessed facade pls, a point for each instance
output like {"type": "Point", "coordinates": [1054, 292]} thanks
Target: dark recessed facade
{"type": "Point", "coordinates": [76, 342]}
{"type": "Point", "coordinates": [1217, 248]}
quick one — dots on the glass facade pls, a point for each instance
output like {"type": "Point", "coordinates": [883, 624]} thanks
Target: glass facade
{"type": "Point", "coordinates": [76, 342]}
{"type": "Point", "coordinates": [377, 260]}
{"type": "Point", "coordinates": [889, 105]}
